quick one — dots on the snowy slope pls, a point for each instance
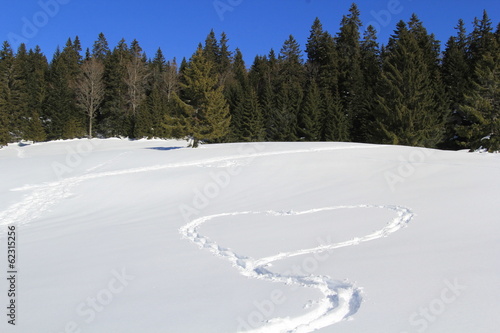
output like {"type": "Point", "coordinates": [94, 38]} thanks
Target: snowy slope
{"type": "Point", "coordinates": [150, 236]}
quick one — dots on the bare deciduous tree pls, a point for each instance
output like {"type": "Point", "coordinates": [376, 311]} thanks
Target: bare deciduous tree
{"type": "Point", "coordinates": [171, 79]}
{"type": "Point", "coordinates": [136, 78]}
{"type": "Point", "coordinates": [90, 88]}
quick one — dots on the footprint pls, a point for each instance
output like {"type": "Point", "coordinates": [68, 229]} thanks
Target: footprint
{"type": "Point", "coordinates": [341, 299]}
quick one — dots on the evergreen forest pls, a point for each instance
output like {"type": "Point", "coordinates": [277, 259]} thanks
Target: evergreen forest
{"type": "Point", "coordinates": [413, 91]}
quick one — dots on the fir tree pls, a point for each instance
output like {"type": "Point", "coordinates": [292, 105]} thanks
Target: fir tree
{"type": "Point", "coordinates": [114, 120]}
{"type": "Point", "coordinates": [205, 104]}
{"type": "Point", "coordinates": [61, 112]}
{"type": "Point", "coordinates": [236, 90]}
{"type": "Point", "coordinates": [251, 128]}
{"type": "Point", "coordinates": [322, 58]}
{"type": "Point", "coordinates": [456, 78]}
{"type": "Point", "coordinates": [35, 131]}
{"type": "Point", "coordinates": [371, 69]}
{"type": "Point", "coordinates": [6, 61]}
{"type": "Point", "coordinates": [289, 93]}
{"type": "Point", "coordinates": [350, 75]}
{"type": "Point", "coordinates": [482, 105]}
{"type": "Point", "coordinates": [407, 111]}
{"type": "Point", "coordinates": [6, 81]}
{"type": "Point", "coordinates": [101, 49]}
{"type": "Point", "coordinates": [310, 117]}
{"type": "Point", "coordinates": [335, 124]}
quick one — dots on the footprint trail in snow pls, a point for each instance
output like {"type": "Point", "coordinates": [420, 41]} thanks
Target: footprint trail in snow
{"type": "Point", "coordinates": [340, 301]}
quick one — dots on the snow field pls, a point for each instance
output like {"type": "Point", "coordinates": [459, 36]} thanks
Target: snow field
{"type": "Point", "coordinates": [288, 237]}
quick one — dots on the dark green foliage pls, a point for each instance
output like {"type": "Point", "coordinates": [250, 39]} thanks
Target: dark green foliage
{"type": "Point", "coordinates": [61, 113]}
{"type": "Point", "coordinates": [348, 89]}
{"type": "Point", "coordinates": [456, 76]}
{"type": "Point", "coordinates": [407, 109]}
{"type": "Point", "coordinates": [205, 105]}
{"type": "Point", "coordinates": [252, 128]}
{"type": "Point", "coordinates": [309, 118]}
{"type": "Point", "coordinates": [350, 74]}
{"type": "Point", "coordinates": [371, 68]}
{"type": "Point", "coordinates": [481, 107]}
{"type": "Point", "coordinates": [322, 63]}
{"type": "Point", "coordinates": [113, 120]}
{"type": "Point", "coordinates": [335, 124]}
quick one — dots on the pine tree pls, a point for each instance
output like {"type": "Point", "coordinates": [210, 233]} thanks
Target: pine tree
{"type": "Point", "coordinates": [251, 128]}
{"type": "Point", "coordinates": [63, 117]}
{"type": "Point", "coordinates": [37, 82]}
{"type": "Point", "coordinates": [156, 107]}
{"type": "Point", "coordinates": [407, 111]}
{"type": "Point", "coordinates": [481, 40]}
{"type": "Point", "coordinates": [371, 69]}
{"type": "Point", "coordinates": [322, 58]}
{"type": "Point", "coordinates": [211, 50]}
{"type": "Point", "coordinates": [236, 90]}
{"type": "Point", "coordinates": [35, 131]}
{"type": "Point", "coordinates": [289, 93]}
{"type": "Point", "coordinates": [224, 59]}
{"type": "Point", "coordinates": [101, 49]}
{"type": "Point", "coordinates": [310, 117]}
{"type": "Point", "coordinates": [6, 63]}
{"type": "Point", "coordinates": [205, 104]}
{"type": "Point", "coordinates": [350, 74]}
{"type": "Point", "coordinates": [335, 124]}
{"type": "Point", "coordinates": [7, 60]}
{"type": "Point", "coordinates": [456, 75]}
{"type": "Point", "coordinates": [114, 120]}
{"type": "Point", "coordinates": [482, 105]}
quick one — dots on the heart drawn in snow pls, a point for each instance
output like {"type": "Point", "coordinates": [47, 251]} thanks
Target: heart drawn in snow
{"type": "Point", "coordinates": [341, 299]}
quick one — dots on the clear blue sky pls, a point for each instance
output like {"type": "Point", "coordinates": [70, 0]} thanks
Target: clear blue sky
{"type": "Point", "coordinates": [255, 26]}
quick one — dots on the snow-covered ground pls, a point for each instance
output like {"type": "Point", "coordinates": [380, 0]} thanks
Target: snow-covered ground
{"type": "Point", "coordinates": [150, 236]}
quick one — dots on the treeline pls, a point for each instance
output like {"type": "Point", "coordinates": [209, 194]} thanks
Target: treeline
{"type": "Point", "coordinates": [346, 88]}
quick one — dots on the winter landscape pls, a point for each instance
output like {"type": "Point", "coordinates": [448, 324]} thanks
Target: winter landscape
{"type": "Point", "coordinates": [126, 236]}
{"type": "Point", "coordinates": [250, 166]}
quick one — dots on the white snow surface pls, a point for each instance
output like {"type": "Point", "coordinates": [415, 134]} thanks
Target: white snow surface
{"type": "Point", "coordinates": [151, 236]}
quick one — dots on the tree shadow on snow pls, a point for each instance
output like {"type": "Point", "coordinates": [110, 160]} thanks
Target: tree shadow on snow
{"type": "Point", "coordinates": [165, 148]}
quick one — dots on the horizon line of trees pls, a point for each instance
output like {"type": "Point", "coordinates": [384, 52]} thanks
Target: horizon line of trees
{"type": "Point", "coordinates": [348, 88]}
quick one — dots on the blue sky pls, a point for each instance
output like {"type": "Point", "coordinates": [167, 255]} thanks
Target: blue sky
{"type": "Point", "coordinates": [255, 26]}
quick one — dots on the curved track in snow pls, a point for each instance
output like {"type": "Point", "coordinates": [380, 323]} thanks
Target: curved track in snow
{"type": "Point", "coordinates": [340, 299]}
{"type": "Point", "coordinates": [44, 196]}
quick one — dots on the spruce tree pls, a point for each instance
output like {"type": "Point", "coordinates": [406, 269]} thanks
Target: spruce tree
{"type": "Point", "coordinates": [6, 60]}
{"type": "Point", "coordinates": [101, 50]}
{"type": "Point", "coordinates": [407, 109]}
{"type": "Point", "coordinates": [206, 107]}
{"type": "Point", "coordinates": [481, 109]}
{"type": "Point", "coordinates": [64, 118]}
{"type": "Point", "coordinates": [251, 128]}
{"type": "Point", "coordinates": [114, 120]}
{"type": "Point", "coordinates": [289, 93]}
{"type": "Point", "coordinates": [350, 74]}
{"type": "Point", "coordinates": [236, 90]}
{"type": "Point", "coordinates": [335, 124]}
{"type": "Point", "coordinates": [310, 117]}
{"type": "Point", "coordinates": [322, 58]}
{"type": "Point", "coordinates": [456, 75]}
{"type": "Point", "coordinates": [224, 59]}
{"type": "Point", "coordinates": [371, 69]}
